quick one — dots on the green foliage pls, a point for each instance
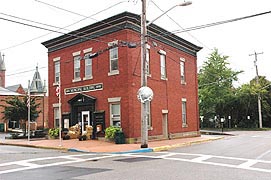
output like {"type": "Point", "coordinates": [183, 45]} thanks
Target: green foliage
{"type": "Point", "coordinates": [218, 97]}
{"type": "Point", "coordinates": [111, 131]}
{"type": "Point", "coordinates": [53, 132]}
{"type": "Point", "coordinates": [16, 108]}
{"type": "Point", "coordinates": [215, 80]}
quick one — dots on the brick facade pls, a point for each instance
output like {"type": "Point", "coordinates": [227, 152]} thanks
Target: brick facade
{"type": "Point", "coordinates": [168, 93]}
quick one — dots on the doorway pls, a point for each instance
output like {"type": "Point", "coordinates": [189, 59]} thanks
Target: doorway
{"type": "Point", "coordinates": [85, 120]}
{"type": "Point", "coordinates": [165, 125]}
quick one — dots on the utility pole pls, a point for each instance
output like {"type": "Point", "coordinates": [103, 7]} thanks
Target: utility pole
{"type": "Point", "coordinates": [144, 130]}
{"type": "Point", "coordinates": [257, 81]}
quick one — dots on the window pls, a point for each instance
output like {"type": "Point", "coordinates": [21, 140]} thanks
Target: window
{"type": "Point", "coordinates": [163, 64]}
{"type": "Point", "coordinates": [115, 114]}
{"type": "Point", "coordinates": [76, 61]}
{"type": "Point", "coordinates": [184, 115]}
{"type": "Point", "coordinates": [113, 58]}
{"type": "Point", "coordinates": [56, 117]}
{"type": "Point", "coordinates": [57, 72]}
{"type": "Point", "coordinates": [148, 60]}
{"type": "Point", "coordinates": [182, 70]}
{"type": "Point", "coordinates": [88, 67]}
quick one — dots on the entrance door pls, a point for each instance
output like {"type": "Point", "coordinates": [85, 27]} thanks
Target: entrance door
{"type": "Point", "coordinates": [85, 120]}
{"type": "Point", "coordinates": [165, 125]}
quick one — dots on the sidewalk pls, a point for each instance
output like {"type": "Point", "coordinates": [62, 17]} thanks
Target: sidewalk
{"type": "Point", "coordinates": [100, 146]}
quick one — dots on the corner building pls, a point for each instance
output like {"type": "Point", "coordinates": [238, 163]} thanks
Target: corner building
{"type": "Point", "coordinates": [98, 68]}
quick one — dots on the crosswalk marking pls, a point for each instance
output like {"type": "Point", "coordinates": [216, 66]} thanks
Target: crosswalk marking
{"type": "Point", "coordinates": [246, 164]}
{"type": "Point", "coordinates": [231, 162]}
{"type": "Point", "coordinates": [33, 163]}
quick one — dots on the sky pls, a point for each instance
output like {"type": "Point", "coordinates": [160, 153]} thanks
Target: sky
{"type": "Point", "coordinates": [21, 44]}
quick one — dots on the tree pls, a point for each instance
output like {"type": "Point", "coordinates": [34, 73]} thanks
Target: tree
{"type": "Point", "coordinates": [247, 100]}
{"type": "Point", "coordinates": [16, 109]}
{"type": "Point", "coordinates": [216, 89]}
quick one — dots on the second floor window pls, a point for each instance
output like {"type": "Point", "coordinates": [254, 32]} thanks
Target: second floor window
{"type": "Point", "coordinates": [163, 66]}
{"type": "Point", "coordinates": [182, 70]}
{"type": "Point", "coordinates": [114, 56]}
{"type": "Point", "coordinates": [57, 71]}
{"type": "Point", "coordinates": [76, 61]}
{"type": "Point", "coordinates": [88, 68]}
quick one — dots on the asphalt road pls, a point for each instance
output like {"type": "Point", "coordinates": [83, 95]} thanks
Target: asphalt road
{"type": "Point", "coordinates": [245, 156]}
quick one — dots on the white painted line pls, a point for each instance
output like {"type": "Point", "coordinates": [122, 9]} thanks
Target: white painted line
{"type": "Point", "coordinates": [247, 164]}
{"type": "Point", "coordinates": [263, 154]}
{"type": "Point", "coordinates": [201, 158]}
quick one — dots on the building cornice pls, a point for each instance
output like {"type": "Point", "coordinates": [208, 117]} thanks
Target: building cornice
{"type": "Point", "coordinates": [125, 20]}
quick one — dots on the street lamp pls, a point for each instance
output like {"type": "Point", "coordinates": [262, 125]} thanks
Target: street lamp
{"type": "Point", "coordinates": [144, 114]}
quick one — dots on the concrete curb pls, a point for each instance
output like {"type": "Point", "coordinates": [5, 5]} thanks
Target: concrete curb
{"type": "Point", "coordinates": [135, 151]}
{"type": "Point", "coordinates": [168, 147]}
{"type": "Point", "coordinates": [143, 150]}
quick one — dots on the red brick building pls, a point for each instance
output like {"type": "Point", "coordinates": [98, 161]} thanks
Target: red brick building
{"type": "Point", "coordinates": [98, 69]}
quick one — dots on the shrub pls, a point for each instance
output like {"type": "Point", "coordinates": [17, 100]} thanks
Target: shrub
{"type": "Point", "coordinates": [53, 132]}
{"type": "Point", "coordinates": [111, 131]}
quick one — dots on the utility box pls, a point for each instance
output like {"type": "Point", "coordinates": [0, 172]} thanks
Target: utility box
{"type": "Point", "coordinates": [119, 137]}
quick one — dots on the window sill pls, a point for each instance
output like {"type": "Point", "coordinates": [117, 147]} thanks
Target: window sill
{"type": "Point", "coordinates": [112, 73]}
{"type": "Point", "coordinates": [183, 83]}
{"type": "Point", "coordinates": [76, 80]}
{"type": "Point", "coordinates": [87, 78]}
{"type": "Point", "coordinates": [149, 75]}
{"type": "Point", "coordinates": [185, 126]}
{"type": "Point", "coordinates": [164, 79]}
{"type": "Point", "coordinates": [55, 83]}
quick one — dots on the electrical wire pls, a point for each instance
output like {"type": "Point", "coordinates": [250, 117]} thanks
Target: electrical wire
{"type": "Point", "coordinates": [180, 26]}
{"type": "Point", "coordinates": [22, 43]}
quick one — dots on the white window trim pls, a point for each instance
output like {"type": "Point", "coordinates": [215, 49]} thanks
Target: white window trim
{"type": "Point", "coordinates": [76, 53]}
{"type": "Point", "coordinates": [184, 124]}
{"type": "Point", "coordinates": [57, 59]}
{"type": "Point", "coordinates": [112, 73]}
{"type": "Point", "coordinates": [79, 78]}
{"type": "Point", "coordinates": [85, 51]}
{"type": "Point", "coordinates": [183, 81]}
{"type": "Point", "coordinates": [114, 99]}
{"type": "Point", "coordinates": [163, 53]}
{"type": "Point", "coordinates": [113, 43]}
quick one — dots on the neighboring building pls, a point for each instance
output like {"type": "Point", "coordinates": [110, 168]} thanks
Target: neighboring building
{"type": "Point", "coordinates": [98, 69]}
{"type": "Point", "coordinates": [2, 71]}
{"type": "Point", "coordinates": [17, 88]}
{"type": "Point", "coordinates": [37, 89]}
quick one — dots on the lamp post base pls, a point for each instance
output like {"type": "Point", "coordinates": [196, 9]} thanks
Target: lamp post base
{"type": "Point", "coordinates": [144, 145]}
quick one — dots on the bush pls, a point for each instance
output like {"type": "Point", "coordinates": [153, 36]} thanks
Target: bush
{"type": "Point", "coordinates": [111, 131]}
{"type": "Point", "coordinates": [53, 132]}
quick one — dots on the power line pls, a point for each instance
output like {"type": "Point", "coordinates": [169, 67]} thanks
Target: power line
{"type": "Point", "coordinates": [13, 46]}
{"type": "Point", "coordinates": [211, 24]}
{"type": "Point", "coordinates": [180, 26]}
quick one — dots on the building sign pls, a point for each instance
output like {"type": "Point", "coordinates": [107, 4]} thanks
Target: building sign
{"type": "Point", "coordinates": [87, 88]}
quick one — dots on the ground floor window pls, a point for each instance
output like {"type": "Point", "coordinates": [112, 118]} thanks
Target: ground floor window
{"type": "Point", "coordinates": [115, 114]}
{"type": "Point", "coordinates": [184, 115]}
{"type": "Point", "coordinates": [56, 117]}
